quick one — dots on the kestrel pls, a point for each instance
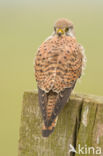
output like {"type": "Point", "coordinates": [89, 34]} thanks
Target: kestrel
{"type": "Point", "coordinates": [58, 64]}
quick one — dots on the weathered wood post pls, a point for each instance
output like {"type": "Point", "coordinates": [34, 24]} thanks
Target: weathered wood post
{"type": "Point", "coordinates": [80, 124]}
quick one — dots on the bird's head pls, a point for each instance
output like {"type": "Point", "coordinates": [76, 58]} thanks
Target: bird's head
{"type": "Point", "coordinates": [64, 27]}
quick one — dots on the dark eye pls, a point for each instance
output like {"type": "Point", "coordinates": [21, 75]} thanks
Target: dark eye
{"type": "Point", "coordinates": [66, 29]}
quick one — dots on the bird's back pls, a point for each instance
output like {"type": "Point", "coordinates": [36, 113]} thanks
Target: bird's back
{"type": "Point", "coordinates": [58, 63]}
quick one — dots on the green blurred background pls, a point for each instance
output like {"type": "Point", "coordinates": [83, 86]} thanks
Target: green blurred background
{"type": "Point", "coordinates": [24, 25]}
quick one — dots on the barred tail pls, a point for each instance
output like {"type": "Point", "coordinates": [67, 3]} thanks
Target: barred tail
{"type": "Point", "coordinates": [46, 131]}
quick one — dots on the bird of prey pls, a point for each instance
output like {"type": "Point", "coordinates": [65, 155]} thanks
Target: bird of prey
{"type": "Point", "coordinates": [58, 64]}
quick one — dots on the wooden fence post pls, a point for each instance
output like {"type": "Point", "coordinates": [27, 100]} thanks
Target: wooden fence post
{"type": "Point", "coordinates": [80, 124]}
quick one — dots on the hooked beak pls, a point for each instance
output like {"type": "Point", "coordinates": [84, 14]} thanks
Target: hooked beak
{"type": "Point", "coordinates": [60, 32]}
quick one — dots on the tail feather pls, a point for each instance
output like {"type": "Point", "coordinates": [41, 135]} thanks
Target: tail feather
{"type": "Point", "coordinates": [46, 131]}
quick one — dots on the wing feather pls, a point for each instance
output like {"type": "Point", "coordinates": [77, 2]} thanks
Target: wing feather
{"type": "Point", "coordinates": [43, 102]}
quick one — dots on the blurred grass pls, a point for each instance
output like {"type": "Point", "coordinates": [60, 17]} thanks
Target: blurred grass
{"type": "Point", "coordinates": [23, 27]}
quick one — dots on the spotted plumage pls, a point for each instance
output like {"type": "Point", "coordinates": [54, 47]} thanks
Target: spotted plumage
{"type": "Point", "coordinates": [58, 65]}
